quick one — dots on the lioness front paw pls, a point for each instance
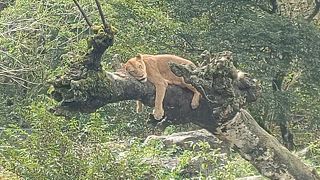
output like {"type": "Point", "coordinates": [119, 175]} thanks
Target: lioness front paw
{"type": "Point", "coordinates": [158, 114]}
{"type": "Point", "coordinates": [194, 105]}
{"type": "Point", "coordinates": [195, 101]}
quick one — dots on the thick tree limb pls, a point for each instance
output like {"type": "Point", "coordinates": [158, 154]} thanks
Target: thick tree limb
{"type": "Point", "coordinates": [281, 113]}
{"type": "Point", "coordinates": [263, 150]}
{"type": "Point", "coordinates": [238, 128]}
{"type": "Point", "coordinates": [225, 91]}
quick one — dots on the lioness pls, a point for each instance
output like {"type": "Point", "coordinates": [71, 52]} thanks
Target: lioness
{"type": "Point", "coordinates": [155, 68]}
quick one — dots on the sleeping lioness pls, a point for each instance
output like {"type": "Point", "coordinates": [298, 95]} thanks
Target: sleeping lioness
{"type": "Point", "coordinates": [155, 68]}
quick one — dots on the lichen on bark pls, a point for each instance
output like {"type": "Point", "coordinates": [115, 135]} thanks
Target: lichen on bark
{"type": "Point", "coordinates": [225, 92]}
{"type": "Point", "coordinates": [82, 87]}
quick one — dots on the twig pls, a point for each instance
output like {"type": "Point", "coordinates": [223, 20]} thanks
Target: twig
{"type": "Point", "coordinates": [13, 71]}
{"type": "Point", "coordinates": [10, 56]}
{"type": "Point", "coordinates": [293, 80]}
{"type": "Point", "coordinates": [101, 15]}
{"type": "Point", "coordinates": [16, 78]}
{"type": "Point", "coordinates": [185, 40]}
{"type": "Point", "coordinates": [4, 83]}
{"type": "Point", "coordinates": [83, 14]}
{"type": "Point", "coordinates": [21, 84]}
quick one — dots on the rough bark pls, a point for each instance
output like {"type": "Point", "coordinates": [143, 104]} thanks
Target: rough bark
{"type": "Point", "coordinates": [87, 87]}
{"type": "Point", "coordinates": [184, 139]}
{"type": "Point", "coordinates": [281, 111]}
{"type": "Point", "coordinates": [263, 150]}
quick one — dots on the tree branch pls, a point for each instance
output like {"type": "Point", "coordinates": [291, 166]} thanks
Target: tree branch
{"type": "Point", "coordinates": [83, 13]}
{"type": "Point", "coordinates": [225, 90]}
{"type": "Point", "coordinates": [237, 127]}
{"type": "Point", "coordinates": [263, 150]}
{"type": "Point", "coordinates": [104, 22]}
{"type": "Point", "coordinates": [274, 5]}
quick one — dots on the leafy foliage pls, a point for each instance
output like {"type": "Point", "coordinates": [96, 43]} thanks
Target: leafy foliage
{"type": "Point", "coordinates": [40, 38]}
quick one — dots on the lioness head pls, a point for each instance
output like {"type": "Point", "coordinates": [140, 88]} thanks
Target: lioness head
{"type": "Point", "coordinates": [137, 68]}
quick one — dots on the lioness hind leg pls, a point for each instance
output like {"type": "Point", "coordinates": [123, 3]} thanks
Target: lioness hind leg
{"type": "Point", "coordinates": [139, 106]}
{"type": "Point", "coordinates": [196, 95]}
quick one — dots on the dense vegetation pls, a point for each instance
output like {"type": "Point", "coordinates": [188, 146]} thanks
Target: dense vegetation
{"type": "Point", "coordinates": [38, 39]}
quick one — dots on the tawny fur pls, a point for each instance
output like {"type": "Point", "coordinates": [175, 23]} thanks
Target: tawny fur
{"type": "Point", "coordinates": [155, 69]}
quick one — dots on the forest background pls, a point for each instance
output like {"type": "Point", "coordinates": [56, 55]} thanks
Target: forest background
{"type": "Point", "coordinates": [277, 43]}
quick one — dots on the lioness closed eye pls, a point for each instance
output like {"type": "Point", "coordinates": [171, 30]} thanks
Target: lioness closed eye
{"type": "Point", "coordinates": [155, 68]}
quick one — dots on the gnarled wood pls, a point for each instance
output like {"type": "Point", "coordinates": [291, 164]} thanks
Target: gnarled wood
{"type": "Point", "coordinates": [235, 125]}
{"type": "Point", "coordinates": [225, 91]}
{"type": "Point", "coordinates": [264, 151]}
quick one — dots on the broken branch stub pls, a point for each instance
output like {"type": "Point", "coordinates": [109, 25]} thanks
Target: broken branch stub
{"type": "Point", "coordinates": [79, 89]}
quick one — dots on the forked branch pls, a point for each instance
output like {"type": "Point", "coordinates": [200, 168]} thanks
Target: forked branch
{"type": "Point", "coordinates": [104, 22]}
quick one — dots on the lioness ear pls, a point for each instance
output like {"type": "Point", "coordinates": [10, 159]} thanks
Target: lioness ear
{"type": "Point", "coordinates": [139, 57]}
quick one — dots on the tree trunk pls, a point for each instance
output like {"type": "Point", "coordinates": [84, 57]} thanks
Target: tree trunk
{"type": "Point", "coordinates": [282, 107]}
{"type": "Point", "coordinates": [225, 92]}
{"type": "Point", "coordinates": [263, 150]}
